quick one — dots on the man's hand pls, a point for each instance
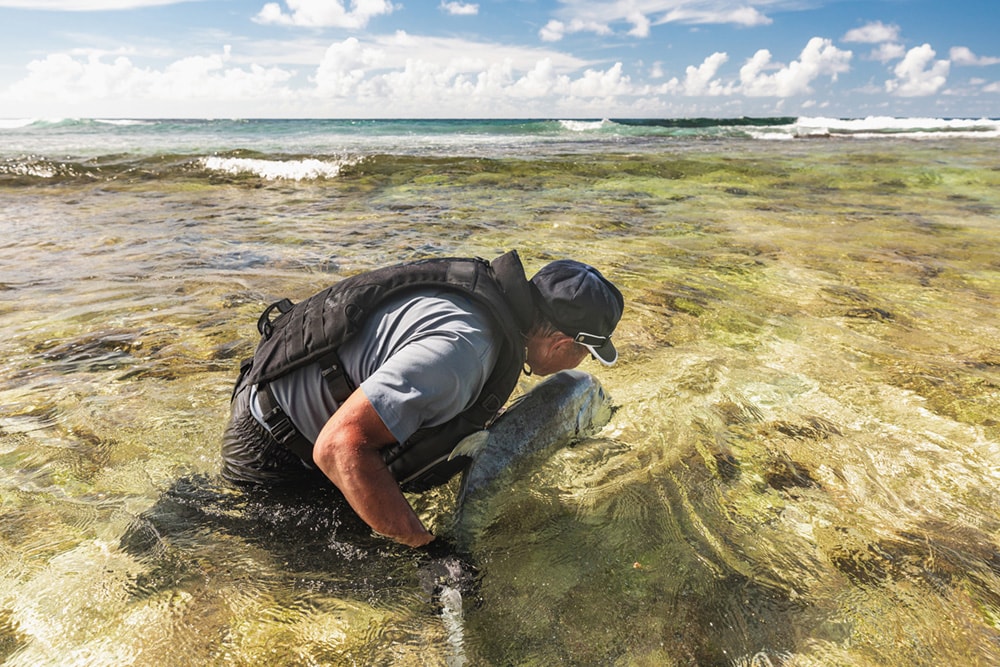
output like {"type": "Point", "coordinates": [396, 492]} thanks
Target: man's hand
{"type": "Point", "coordinates": [347, 451]}
{"type": "Point", "coordinates": [422, 540]}
{"type": "Point", "coordinates": [441, 565]}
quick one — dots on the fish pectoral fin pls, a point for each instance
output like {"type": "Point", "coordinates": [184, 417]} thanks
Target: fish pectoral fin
{"type": "Point", "coordinates": [513, 403]}
{"type": "Point", "coordinates": [470, 445]}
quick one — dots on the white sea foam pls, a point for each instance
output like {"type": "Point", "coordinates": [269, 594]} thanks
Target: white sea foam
{"type": "Point", "coordinates": [881, 126]}
{"type": "Point", "coordinates": [122, 122]}
{"type": "Point", "coordinates": [295, 170]}
{"type": "Point", "coordinates": [889, 123]}
{"type": "Point", "coordinates": [583, 125]}
{"type": "Point", "coordinates": [39, 170]}
{"type": "Point", "coordinates": [28, 167]}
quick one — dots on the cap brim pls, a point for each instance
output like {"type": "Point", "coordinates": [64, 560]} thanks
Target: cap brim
{"type": "Point", "coordinates": [606, 354]}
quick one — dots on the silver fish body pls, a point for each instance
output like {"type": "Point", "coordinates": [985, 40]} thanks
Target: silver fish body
{"type": "Point", "coordinates": [566, 407]}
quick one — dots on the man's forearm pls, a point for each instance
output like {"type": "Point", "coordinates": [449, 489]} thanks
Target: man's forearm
{"type": "Point", "coordinates": [347, 451]}
{"type": "Point", "coordinates": [375, 496]}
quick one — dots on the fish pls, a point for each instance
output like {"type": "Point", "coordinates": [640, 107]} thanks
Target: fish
{"type": "Point", "coordinates": [565, 408]}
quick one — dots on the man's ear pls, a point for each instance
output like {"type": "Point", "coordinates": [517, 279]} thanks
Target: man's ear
{"type": "Point", "coordinates": [562, 341]}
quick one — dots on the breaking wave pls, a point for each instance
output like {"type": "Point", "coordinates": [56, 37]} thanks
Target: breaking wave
{"type": "Point", "coordinates": [584, 125]}
{"type": "Point", "coordinates": [296, 170]}
{"type": "Point", "coordinates": [880, 126]}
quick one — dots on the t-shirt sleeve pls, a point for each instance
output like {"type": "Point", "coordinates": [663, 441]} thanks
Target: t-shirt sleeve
{"type": "Point", "coordinates": [429, 380]}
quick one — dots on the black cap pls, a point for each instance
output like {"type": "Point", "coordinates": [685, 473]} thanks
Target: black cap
{"type": "Point", "coordinates": [582, 304]}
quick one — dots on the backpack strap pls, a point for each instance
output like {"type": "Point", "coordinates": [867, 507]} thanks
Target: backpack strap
{"type": "Point", "coordinates": [280, 425]}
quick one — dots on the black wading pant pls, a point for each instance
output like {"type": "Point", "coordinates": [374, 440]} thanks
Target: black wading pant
{"type": "Point", "coordinates": [251, 456]}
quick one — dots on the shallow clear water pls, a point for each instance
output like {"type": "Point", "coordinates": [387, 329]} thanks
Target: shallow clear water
{"type": "Point", "coordinates": [803, 470]}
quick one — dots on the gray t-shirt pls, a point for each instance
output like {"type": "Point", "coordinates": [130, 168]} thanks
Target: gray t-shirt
{"type": "Point", "coordinates": [420, 360]}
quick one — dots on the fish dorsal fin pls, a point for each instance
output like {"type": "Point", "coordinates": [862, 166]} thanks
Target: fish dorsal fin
{"type": "Point", "coordinates": [470, 445]}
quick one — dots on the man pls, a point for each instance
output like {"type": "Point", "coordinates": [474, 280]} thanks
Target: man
{"type": "Point", "coordinates": [372, 382]}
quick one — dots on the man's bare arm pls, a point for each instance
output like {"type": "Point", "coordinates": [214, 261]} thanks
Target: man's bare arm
{"type": "Point", "coordinates": [347, 451]}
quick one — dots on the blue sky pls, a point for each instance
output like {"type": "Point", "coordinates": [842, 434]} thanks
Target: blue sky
{"type": "Point", "coordinates": [498, 58]}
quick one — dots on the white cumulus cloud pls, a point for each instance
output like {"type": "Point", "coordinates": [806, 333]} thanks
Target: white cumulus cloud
{"type": "Point", "coordinates": [411, 75]}
{"type": "Point", "coordinates": [601, 84]}
{"type": "Point", "coordinates": [873, 33]}
{"type": "Point", "coordinates": [819, 58]}
{"type": "Point", "coordinates": [918, 74]}
{"type": "Point", "coordinates": [886, 37]}
{"type": "Point", "coordinates": [399, 75]}
{"type": "Point", "coordinates": [344, 66]}
{"type": "Point", "coordinates": [701, 80]}
{"type": "Point", "coordinates": [888, 51]}
{"type": "Point", "coordinates": [554, 30]}
{"type": "Point", "coordinates": [460, 8]}
{"type": "Point", "coordinates": [962, 55]}
{"type": "Point", "coordinates": [87, 80]}
{"type": "Point", "coordinates": [640, 24]}
{"type": "Point", "coordinates": [323, 13]}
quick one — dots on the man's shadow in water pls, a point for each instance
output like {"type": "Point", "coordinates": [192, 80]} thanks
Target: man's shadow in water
{"type": "Point", "coordinates": [313, 538]}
